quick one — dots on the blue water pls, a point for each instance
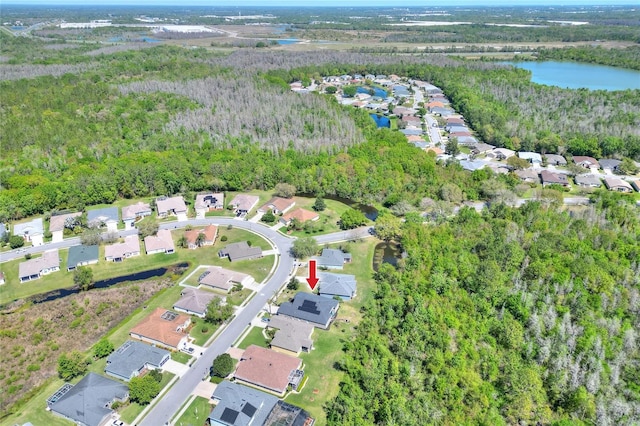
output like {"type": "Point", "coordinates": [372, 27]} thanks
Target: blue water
{"type": "Point", "coordinates": [381, 120]}
{"type": "Point", "coordinates": [114, 39]}
{"type": "Point", "coordinates": [150, 40]}
{"type": "Point", "coordinates": [288, 41]}
{"type": "Point", "coordinates": [573, 75]}
{"type": "Point", "coordinates": [376, 91]}
{"type": "Point", "coordinates": [17, 28]}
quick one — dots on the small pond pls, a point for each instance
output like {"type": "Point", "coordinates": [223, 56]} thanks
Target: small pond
{"type": "Point", "coordinates": [288, 41]}
{"type": "Point", "coordinates": [381, 120]}
{"type": "Point", "coordinates": [386, 252]}
{"type": "Point", "coordinates": [144, 275]}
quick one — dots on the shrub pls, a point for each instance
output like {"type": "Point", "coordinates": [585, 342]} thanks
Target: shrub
{"type": "Point", "coordinates": [224, 238]}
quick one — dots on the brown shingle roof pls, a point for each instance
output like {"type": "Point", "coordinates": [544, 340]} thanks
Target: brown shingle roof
{"type": "Point", "coordinates": [161, 241]}
{"type": "Point", "coordinates": [134, 210]}
{"type": "Point", "coordinates": [281, 204]}
{"type": "Point", "coordinates": [56, 223]}
{"type": "Point", "coordinates": [301, 214]}
{"type": "Point", "coordinates": [154, 327]}
{"type": "Point", "coordinates": [266, 368]}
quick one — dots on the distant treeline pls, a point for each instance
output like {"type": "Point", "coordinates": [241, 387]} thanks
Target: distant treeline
{"type": "Point", "coordinates": [623, 58]}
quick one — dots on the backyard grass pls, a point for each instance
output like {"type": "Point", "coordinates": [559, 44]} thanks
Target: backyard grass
{"type": "Point", "coordinates": [254, 337]}
{"type": "Point", "coordinates": [181, 357]}
{"type": "Point", "coordinates": [319, 365]}
{"type": "Point", "coordinates": [238, 297]}
{"type": "Point", "coordinates": [129, 413]}
{"type": "Point", "coordinates": [196, 414]}
{"type": "Point", "coordinates": [207, 255]}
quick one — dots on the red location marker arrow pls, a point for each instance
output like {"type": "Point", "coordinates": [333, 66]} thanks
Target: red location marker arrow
{"type": "Point", "coordinates": [312, 280]}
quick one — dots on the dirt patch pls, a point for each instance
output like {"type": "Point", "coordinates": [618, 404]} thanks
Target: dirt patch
{"type": "Point", "coordinates": [32, 337]}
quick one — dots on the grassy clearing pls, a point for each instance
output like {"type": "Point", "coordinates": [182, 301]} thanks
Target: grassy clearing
{"type": "Point", "coordinates": [238, 297]}
{"type": "Point", "coordinates": [207, 255]}
{"type": "Point", "coordinates": [181, 357]}
{"type": "Point", "coordinates": [254, 337]}
{"type": "Point", "coordinates": [196, 414]}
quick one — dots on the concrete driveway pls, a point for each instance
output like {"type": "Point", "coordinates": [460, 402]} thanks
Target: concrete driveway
{"type": "Point", "coordinates": [175, 367]}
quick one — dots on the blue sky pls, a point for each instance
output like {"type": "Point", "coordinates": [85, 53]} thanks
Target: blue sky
{"type": "Point", "coordinates": [329, 3]}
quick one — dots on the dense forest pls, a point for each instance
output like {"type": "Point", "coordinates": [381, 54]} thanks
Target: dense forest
{"type": "Point", "coordinates": [516, 316]}
{"type": "Point", "coordinates": [165, 120]}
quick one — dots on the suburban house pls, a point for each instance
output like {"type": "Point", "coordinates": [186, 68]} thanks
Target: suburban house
{"type": "Point", "coordinates": [501, 153]}
{"type": "Point", "coordinates": [81, 256]}
{"type": "Point", "coordinates": [292, 336]}
{"type": "Point", "coordinates": [88, 403]}
{"type": "Point", "coordinates": [208, 202]}
{"type": "Point", "coordinates": [194, 301]}
{"type": "Point", "coordinates": [103, 217]}
{"type": "Point", "coordinates": [162, 242]}
{"type": "Point", "coordinates": [481, 148]}
{"type": "Point", "coordinates": [618, 185]}
{"type": "Point", "coordinates": [269, 369]}
{"type": "Point", "coordinates": [210, 232]}
{"type": "Point", "coordinates": [223, 279]}
{"type": "Point", "coordinates": [135, 212]}
{"type": "Point", "coordinates": [240, 251]}
{"type": "Point", "coordinates": [455, 121]}
{"type": "Point", "coordinates": [586, 162]}
{"type": "Point", "coordinates": [174, 206]}
{"type": "Point", "coordinates": [467, 140]}
{"type": "Point", "coordinates": [302, 215]}
{"type": "Point", "coordinates": [32, 231]}
{"type": "Point", "coordinates": [163, 328]}
{"type": "Point", "coordinates": [33, 269]}
{"type": "Point", "coordinates": [437, 151]}
{"type": "Point", "coordinates": [533, 157]}
{"type": "Point", "coordinates": [588, 181]}
{"type": "Point", "coordinates": [238, 405]}
{"type": "Point", "coordinates": [332, 259]}
{"type": "Point", "coordinates": [337, 285]}
{"type": "Point", "coordinates": [133, 358]}
{"type": "Point", "coordinates": [636, 184]}
{"type": "Point", "coordinates": [243, 203]}
{"type": "Point", "coordinates": [472, 165]}
{"type": "Point", "coordinates": [551, 178]}
{"type": "Point", "coordinates": [528, 175]}
{"type": "Point", "coordinates": [57, 225]}
{"type": "Point", "coordinates": [609, 164]}
{"type": "Point", "coordinates": [555, 160]}
{"type": "Point", "coordinates": [119, 251]}
{"type": "Point", "coordinates": [317, 310]}
{"type": "Point", "coordinates": [456, 128]}
{"type": "Point", "coordinates": [278, 205]}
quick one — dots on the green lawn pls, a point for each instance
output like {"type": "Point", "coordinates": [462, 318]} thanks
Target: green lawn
{"type": "Point", "coordinates": [129, 413]}
{"type": "Point", "coordinates": [207, 255]}
{"type": "Point", "coordinates": [254, 337]}
{"type": "Point", "coordinates": [238, 297]}
{"type": "Point", "coordinates": [181, 357]}
{"type": "Point", "coordinates": [200, 337]}
{"type": "Point", "coordinates": [196, 414]}
{"type": "Point", "coordinates": [329, 217]}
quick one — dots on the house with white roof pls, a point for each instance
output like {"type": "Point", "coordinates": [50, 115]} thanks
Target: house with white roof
{"type": "Point", "coordinates": [120, 251]}
{"type": "Point", "coordinates": [33, 269]}
{"type": "Point", "coordinates": [172, 206]}
{"type": "Point", "coordinates": [32, 231]}
{"type": "Point", "coordinates": [533, 157]}
{"type": "Point", "coordinates": [162, 242]}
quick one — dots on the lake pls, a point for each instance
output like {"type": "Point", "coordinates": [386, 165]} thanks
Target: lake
{"type": "Point", "coordinates": [386, 253]}
{"type": "Point", "coordinates": [381, 120]}
{"type": "Point", "coordinates": [288, 41]}
{"type": "Point", "coordinates": [573, 75]}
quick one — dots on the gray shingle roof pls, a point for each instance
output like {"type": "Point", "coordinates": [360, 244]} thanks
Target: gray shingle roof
{"type": "Point", "coordinates": [240, 250]}
{"type": "Point", "coordinates": [337, 284]}
{"type": "Point", "coordinates": [333, 258]}
{"type": "Point", "coordinates": [87, 402]}
{"type": "Point", "coordinates": [81, 254]}
{"type": "Point", "coordinates": [132, 356]}
{"type": "Point", "coordinates": [194, 300]}
{"type": "Point", "coordinates": [102, 215]}
{"type": "Point", "coordinates": [240, 405]}
{"type": "Point", "coordinates": [310, 307]}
